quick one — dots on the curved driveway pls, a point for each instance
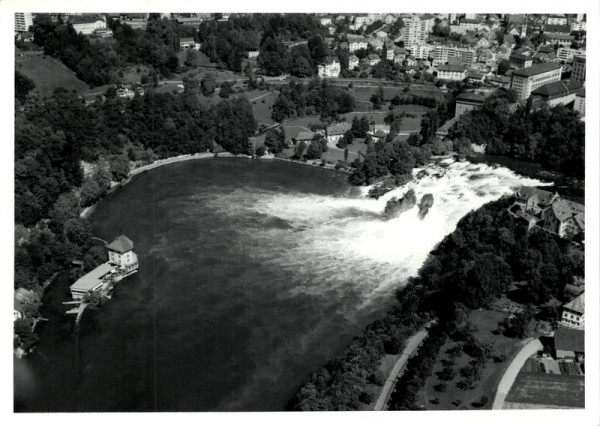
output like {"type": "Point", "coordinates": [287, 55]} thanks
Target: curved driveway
{"type": "Point", "coordinates": [530, 348]}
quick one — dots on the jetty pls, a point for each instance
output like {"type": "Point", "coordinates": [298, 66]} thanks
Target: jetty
{"type": "Point", "coordinates": [98, 284]}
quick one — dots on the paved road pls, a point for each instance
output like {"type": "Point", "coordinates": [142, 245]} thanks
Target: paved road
{"type": "Point", "coordinates": [530, 348]}
{"type": "Point", "coordinates": [412, 345]}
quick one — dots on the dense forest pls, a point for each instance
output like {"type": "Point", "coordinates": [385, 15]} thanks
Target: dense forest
{"type": "Point", "coordinates": [471, 267]}
{"type": "Point", "coordinates": [552, 136]}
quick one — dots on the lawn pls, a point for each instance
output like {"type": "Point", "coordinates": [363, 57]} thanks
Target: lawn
{"type": "Point", "coordinates": [455, 398]}
{"type": "Point", "coordinates": [49, 73]}
{"type": "Point", "coordinates": [548, 389]}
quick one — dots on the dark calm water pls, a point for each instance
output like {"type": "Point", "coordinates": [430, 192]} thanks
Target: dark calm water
{"type": "Point", "coordinates": [219, 317]}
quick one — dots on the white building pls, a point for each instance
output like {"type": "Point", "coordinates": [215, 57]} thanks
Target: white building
{"type": "Point", "coordinates": [330, 69]}
{"type": "Point", "coordinates": [567, 54]}
{"type": "Point", "coordinates": [374, 59]}
{"type": "Point", "coordinates": [579, 26]}
{"type": "Point", "coordinates": [357, 44]}
{"type": "Point", "coordinates": [416, 30]}
{"type": "Point", "coordinates": [579, 104]}
{"type": "Point", "coordinates": [420, 51]}
{"type": "Point", "coordinates": [325, 21]}
{"type": "Point", "coordinates": [23, 21]}
{"type": "Point", "coordinates": [557, 20]}
{"type": "Point", "coordinates": [574, 313]}
{"type": "Point", "coordinates": [353, 61]}
{"type": "Point", "coordinates": [187, 43]}
{"type": "Point", "coordinates": [87, 26]}
{"type": "Point", "coordinates": [526, 80]}
{"type": "Point", "coordinates": [442, 54]}
{"type": "Point", "coordinates": [451, 72]}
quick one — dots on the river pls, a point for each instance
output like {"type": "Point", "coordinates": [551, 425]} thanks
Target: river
{"type": "Point", "coordinates": [253, 273]}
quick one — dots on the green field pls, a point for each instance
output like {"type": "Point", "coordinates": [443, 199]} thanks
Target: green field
{"type": "Point", "coordinates": [49, 73]}
{"type": "Point", "coordinates": [454, 398]}
{"type": "Point", "coordinates": [548, 389]}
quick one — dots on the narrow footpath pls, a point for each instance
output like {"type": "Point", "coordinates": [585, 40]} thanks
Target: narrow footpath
{"type": "Point", "coordinates": [412, 345]}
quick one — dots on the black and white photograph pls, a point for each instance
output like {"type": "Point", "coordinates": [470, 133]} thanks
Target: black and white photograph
{"type": "Point", "coordinates": [259, 210]}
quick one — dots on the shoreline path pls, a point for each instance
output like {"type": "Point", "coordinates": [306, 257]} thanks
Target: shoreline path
{"type": "Point", "coordinates": [412, 345]}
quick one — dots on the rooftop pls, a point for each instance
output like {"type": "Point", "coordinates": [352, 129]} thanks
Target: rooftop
{"type": "Point", "coordinates": [121, 244]}
{"type": "Point", "coordinates": [451, 68]}
{"type": "Point", "coordinates": [577, 304]}
{"type": "Point", "coordinates": [468, 96]}
{"type": "Point", "coordinates": [536, 69]}
{"type": "Point", "coordinates": [567, 339]}
{"type": "Point", "coordinates": [558, 88]}
{"type": "Point", "coordinates": [92, 278]}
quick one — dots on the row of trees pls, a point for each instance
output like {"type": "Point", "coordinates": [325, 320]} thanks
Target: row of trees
{"type": "Point", "coordinates": [318, 97]}
{"type": "Point", "coordinates": [552, 136]}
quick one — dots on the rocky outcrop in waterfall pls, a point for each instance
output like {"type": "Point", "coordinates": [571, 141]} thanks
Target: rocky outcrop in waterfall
{"type": "Point", "coordinates": [425, 205]}
{"type": "Point", "coordinates": [397, 206]}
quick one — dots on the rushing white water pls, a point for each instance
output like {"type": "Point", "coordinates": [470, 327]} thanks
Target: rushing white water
{"type": "Point", "coordinates": [338, 241]}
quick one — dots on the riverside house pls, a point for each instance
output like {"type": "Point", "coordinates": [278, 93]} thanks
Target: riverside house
{"type": "Point", "coordinates": [122, 261]}
{"type": "Point", "coordinates": [548, 211]}
{"type": "Point", "coordinates": [573, 315]}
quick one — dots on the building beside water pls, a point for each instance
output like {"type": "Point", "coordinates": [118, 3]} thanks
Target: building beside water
{"type": "Point", "coordinates": [122, 261]}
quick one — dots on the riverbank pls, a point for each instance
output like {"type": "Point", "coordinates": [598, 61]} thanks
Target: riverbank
{"type": "Point", "coordinates": [87, 211]}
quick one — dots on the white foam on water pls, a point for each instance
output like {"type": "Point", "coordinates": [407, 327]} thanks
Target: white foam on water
{"type": "Point", "coordinates": [343, 244]}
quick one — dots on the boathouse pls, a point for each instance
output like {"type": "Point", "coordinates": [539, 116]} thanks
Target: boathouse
{"type": "Point", "coordinates": [122, 261]}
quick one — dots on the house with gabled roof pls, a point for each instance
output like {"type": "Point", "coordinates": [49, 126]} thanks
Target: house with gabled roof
{"type": "Point", "coordinates": [534, 200]}
{"type": "Point", "coordinates": [565, 218]}
{"type": "Point", "coordinates": [573, 315]}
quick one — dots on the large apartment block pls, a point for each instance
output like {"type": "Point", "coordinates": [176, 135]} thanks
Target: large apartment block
{"type": "Point", "coordinates": [416, 30]}
{"type": "Point", "coordinates": [23, 21]}
{"type": "Point", "coordinates": [462, 56]}
{"type": "Point", "coordinates": [526, 80]}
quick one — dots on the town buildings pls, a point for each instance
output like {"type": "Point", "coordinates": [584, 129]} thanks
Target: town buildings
{"type": "Point", "coordinates": [23, 21]}
{"type": "Point", "coordinates": [560, 39]}
{"type": "Point", "coordinates": [578, 72]}
{"type": "Point", "coordinates": [442, 54]}
{"type": "Point", "coordinates": [416, 29]}
{"type": "Point", "coordinates": [452, 72]}
{"type": "Point", "coordinates": [525, 80]}
{"type": "Point", "coordinates": [519, 60]}
{"type": "Point", "coordinates": [566, 54]}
